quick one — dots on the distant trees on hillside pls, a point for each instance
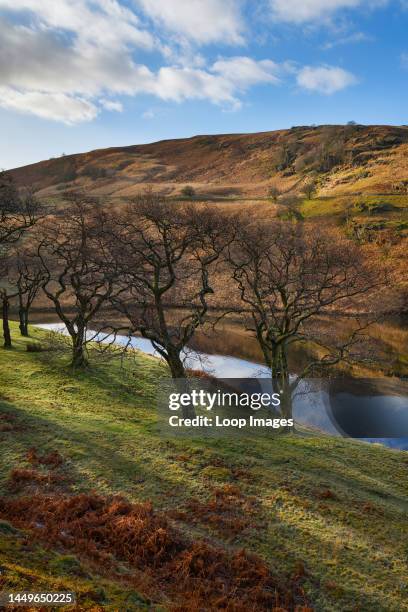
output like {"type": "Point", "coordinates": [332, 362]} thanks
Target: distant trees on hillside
{"type": "Point", "coordinates": [309, 188]}
{"type": "Point", "coordinates": [331, 153]}
{"type": "Point", "coordinates": [95, 172]}
{"type": "Point", "coordinates": [401, 187]}
{"type": "Point", "coordinates": [321, 154]}
{"type": "Point", "coordinates": [285, 156]}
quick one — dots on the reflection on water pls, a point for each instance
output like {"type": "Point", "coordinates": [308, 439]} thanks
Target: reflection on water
{"type": "Point", "coordinates": [232, 354]}
{"type": "Point", "coordinates": [221, 366]}
{"type": "Point", "coordinates": [388, 342]}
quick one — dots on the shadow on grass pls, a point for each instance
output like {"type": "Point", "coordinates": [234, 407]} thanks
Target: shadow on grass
{"type": "Point", "coordinates": [102, 422]}
{"type": "Point", "coordinates": [95, 452]}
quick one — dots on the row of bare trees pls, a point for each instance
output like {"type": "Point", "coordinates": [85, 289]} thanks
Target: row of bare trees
{"type": "Point", "coordinates": [18, 214]}
{"type": "Point", "coordinates": [163, 265]}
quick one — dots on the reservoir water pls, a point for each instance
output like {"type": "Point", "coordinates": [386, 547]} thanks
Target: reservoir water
{"type": "Point", "coordinates": [312, 405]}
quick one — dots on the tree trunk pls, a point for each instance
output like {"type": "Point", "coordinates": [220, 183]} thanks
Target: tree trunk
{"type": "Point", "coordinates": [286, 402]}
{"type": "Point", "coordinates": [79, 359]}
{"type": "Point", "coordinates": [281, 381]}
{"type": "Point", "coordinates": [175, 364]}
{"type": "Point", "coordinates": [6, 326]}
{"type": "Point", "coordinates": [178, 372]}
{"type": "Point", "coordinates": [23, 316]}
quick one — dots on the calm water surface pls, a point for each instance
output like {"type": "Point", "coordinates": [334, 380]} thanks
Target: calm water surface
{"type": "Point", "coordinates": [231, 353]}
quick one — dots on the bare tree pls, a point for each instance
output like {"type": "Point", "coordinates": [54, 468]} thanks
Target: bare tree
{"type": "Point", "coordinates": [21, 280]}
{"type": "Point", "coordinates": [309, 188]}
{"type": "Point", "coordinates": [289, 208]}
{"type": "Point", "coordinates": [7, 294]}
{"type": "Point", "coordinates": [18, 213]}
{"type": "Point", "coordinates": [166, 252]}
{"type": "Point", "coordinates": [5, 310]}
{"type": "Point", "coordinates": [28, 277]}
{"type": "Point", "coordinates": [287, 278]}
{"type": "Point", "coordinates": [78, 276]}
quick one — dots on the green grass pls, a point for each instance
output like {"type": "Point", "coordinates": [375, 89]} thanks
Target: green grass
{"type": "Point", "coordinates": [337, 506]}
{"type": "Point", "coordinates": [337, 205]}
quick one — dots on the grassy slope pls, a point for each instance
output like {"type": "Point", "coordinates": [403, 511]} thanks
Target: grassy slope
{"type": "Point", "coordinates": [332, 206]}
{"type": "Point", "coordinates": [337, 507]}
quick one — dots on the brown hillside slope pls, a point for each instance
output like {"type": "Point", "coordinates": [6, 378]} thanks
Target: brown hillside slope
{"type": "Point", "coordinates": [345, 159]}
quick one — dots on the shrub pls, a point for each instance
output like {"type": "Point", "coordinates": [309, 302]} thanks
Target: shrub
{"type": "Point", "coordinates": [188, 191]}
{"type": "Point", "coordinates": [7, 529]}
{"type": "Point", "coordinates": [67, 565]}
{"type": "Point", "coordinates": [274, 193]}
{"type": "Point", "coordinates": [35, 347]}
{"type": "Point", "coordinates": [94, 172]}
{"type": "Point", "coordinates": [53, 458]}
{"type": "Point", "coordinates": [193, 574]}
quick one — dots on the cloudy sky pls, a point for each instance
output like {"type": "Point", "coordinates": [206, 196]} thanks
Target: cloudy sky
{"type": "Point", "coordinates": [77, 75]}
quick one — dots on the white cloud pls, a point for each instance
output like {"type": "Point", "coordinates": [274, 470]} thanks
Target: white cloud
{"type": "Point", "coordinates": [325, 79]}
{"type": "Point", "coordinates": [244, 71]}
{"type": "Point", "coordinates": [70, 58]}
{"type": "Point", "coordinates": [148, 114]}
{"type": "Point", "coordinates": [174, 83]}
{"type": "Point", "coordinates": [83, 53]}
{"type": "Point", "coordinates": [55, 106]}
{"type": "Point", "coordinates": [356, 37]}
{"type": "Point", "coordinates": [303, 11]}
{"type": "Point", "coordinates": [404, 60]}
{"type": "Point", "coordinates": [96, 22]}
{"type": "Point", "coordinates": [111, 105]}
{"type": "Point", "coordinates": [67, 59]}
{"type": "Point", "coordinates": [220, 83]}
{"type": "Point", "coordinates": [201, 21]}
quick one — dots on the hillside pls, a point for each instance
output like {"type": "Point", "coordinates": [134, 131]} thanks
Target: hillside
{"type": "Point", "coordinates": [350, 159]}
{"type": "Point", "coordinates": [321, 520]}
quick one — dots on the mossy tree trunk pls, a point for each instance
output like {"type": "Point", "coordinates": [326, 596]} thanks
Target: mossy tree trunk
{"type": "Point", "coordinates": [6, 324]}
{"type": "Point", "coordinates": [281, 381]}
{"type": "Point", "coordinates": [78, 337]}
{"type": "Point", "coordinates": [23, 317]}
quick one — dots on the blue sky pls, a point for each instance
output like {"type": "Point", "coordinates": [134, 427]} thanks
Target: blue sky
{"type": "Point", "coordinates": [76, 75]}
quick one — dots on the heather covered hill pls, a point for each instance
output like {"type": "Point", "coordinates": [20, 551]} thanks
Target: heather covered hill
{"type": "Point", "coordinates": [349, 159]}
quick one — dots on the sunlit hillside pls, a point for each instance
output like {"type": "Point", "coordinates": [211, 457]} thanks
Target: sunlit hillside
{"type": "Point", "coordinates": [349, 159]}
